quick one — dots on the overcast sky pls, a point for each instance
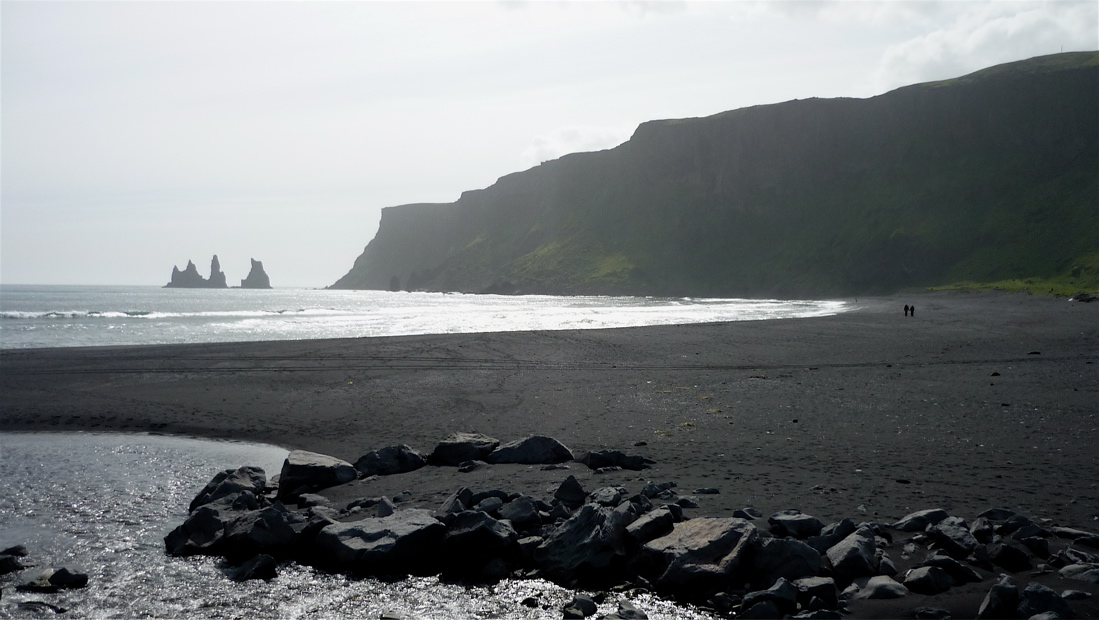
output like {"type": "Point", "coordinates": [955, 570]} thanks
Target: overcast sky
{"type": "Point", "coordinates": [136, 136]}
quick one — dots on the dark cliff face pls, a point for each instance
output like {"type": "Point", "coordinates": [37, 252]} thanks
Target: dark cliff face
{"type": "Point", "coordinates": [984, 177]}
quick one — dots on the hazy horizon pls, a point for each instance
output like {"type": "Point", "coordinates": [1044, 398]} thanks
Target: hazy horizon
{"type": "Point", "coordinates": [138, 136]}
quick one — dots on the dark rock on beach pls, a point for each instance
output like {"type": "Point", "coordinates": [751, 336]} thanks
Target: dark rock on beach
{"type": "Point", "coordinates": [535, 450]}
{"type": "Point", "coordinates": [52, 580]}
{"type": "Point", "coordinates": [306, 472]}
{"type": "Point", "coordinates": [389, 461]}
{"type": "Point", "coordinates": [461, 447]}
{"type": "Point", "coordinates": [402, 543]}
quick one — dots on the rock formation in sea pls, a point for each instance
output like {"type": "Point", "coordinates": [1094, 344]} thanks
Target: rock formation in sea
{"type": "Point", "coordinates": [982, 178]}
{"type": "Point", "coordinates": [190, 278]}
{"type": "Point", "coordinates": [257, 277]}
{"type": "Point", "coordinates": [217, 276]}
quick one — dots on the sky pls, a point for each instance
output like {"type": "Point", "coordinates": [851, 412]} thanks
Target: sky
{"type": "Point", "coordinates": [135, 136]}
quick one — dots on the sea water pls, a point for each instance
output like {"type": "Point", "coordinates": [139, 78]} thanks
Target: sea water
{"type": "Point", "coordinates": [70, 316]}
{"type": "Point", "coordinates": [101, 504]}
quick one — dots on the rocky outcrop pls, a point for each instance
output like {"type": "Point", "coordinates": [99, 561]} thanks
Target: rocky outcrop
{"type": "Point", "coordinates": [190, 278]}
{"type": "Point", "coordinates": [610, 537]}
{"type": "Point", "coordinates": [257, 277]}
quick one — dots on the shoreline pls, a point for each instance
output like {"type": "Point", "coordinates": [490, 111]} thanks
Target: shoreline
{"type": "Point", "coordinates": [767, 411]}
{"type": "Point", "coordinates": [982, 400]}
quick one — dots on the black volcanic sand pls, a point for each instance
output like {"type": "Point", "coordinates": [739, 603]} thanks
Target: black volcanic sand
{"type": "Point", "coordinates": [981, 400]}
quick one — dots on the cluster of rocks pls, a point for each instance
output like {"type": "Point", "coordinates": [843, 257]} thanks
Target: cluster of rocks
{"type": "Point", "coordinates": [45, 581]}
{"type": "Point", "coordinates": [190, 278]}
{"type": "Point", "coordinates": [611, 538]}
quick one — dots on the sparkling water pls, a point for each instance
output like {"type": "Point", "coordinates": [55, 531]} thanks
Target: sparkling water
{"type": "Point", "coordinates": [69, 316]}
{"type": "Point", "coordinates": [101, 504]}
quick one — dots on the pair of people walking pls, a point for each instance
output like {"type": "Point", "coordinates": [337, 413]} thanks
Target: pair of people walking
{"type": "Point", "coordinates": [909, 310]}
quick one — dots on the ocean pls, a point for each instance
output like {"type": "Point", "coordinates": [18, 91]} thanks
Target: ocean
{"type": "Point", "coordinates": [79, 316]}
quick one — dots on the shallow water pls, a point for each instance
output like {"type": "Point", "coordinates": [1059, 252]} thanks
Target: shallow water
{"type": "Point", "coordinates": [68, 316]}
{"type": "Point", "coordinates": [102, 503]}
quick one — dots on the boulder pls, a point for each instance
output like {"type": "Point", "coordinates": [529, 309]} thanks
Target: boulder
{"type": "Point", "coordinates": [782, 557]}
{"type": "Point", "coordinates": [1071, 533]}
{"type": "Point", "coordinates": [261, 566]}
{"type": "Point", "coordinates": [230, 483]}
{"type": "Point", "coordinates": [854, 556]}
{"type": "Point", "coordinates": [1002, 601]}
{"type": "Point", "coordinates": [10, 564]}
{"type": "Point", "coordinates": [997, 515]}
{"type": "Point", "coordinates": [258, 531]}
{"type": "Point", "coordinates": [761, 610]}
{"type": "Point", "coordinates": [306, 472]}
{"type": "Point", "coordinates": [521, 511]}
{"type": "Point", "coordinates": [461, 447]}
{"type": "Point", "coordinates": [200, 533]}
{"type": "Point", "coordinates": [404, 542]}
{"type": "Point", "coordinates": [613, 458]}
{"type": "Point", "coordinates": [918, 521]}
{"type": "Point", "coordinates": [535, 450]}
{"type": "Point", "coordinates": [52, 580]}
{"type": "Point", "coordinates": [928, 580]}
{"type": "Point", "coordinates": [783, 594]}
{"type": "Point", "coordinates": [607, 496]}
{"type": "Point", "coordinates": [1039, 599]}
{"type": "Point", "coordinates": [821, 588]}
{"type": "Point", "coordinates": [570, 493]}
{"type": "Point", "coordinates": [578, 545]}
{"type": "Point", "coordinates": [954, 538]}
{"type": "Point", "coordinates": [982, 530]}
{"type": "Point", "coordinates": [473, 537]}
{"type": "Point", "coordinates": [652, 524]}
{"type": "Point", "coordinates": [698, 550]}
{"type": "Point", "coordinates": [1010, 558]}
{"type": "Point", "coordinates": [960, 573]}
{"type": "Point", "coordinates": [794, 523]}
{"type": "Point", "coordinates": [1088, 573]}
{"type": "Point", "coordinates": [457, 502]}
{"type": "Point", "coordinates": [659, 490]}
{"type": "Point", "coordinates": [627, 611]}
{"type": "Point", "coordinates": [879, 587]}
{"type": "Point", "coordinates": [390, 460]}
{"type": "Point", "coordinates": [584, 605]}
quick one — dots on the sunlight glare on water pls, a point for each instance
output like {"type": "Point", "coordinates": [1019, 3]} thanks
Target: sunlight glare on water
{"type": "Point", "coordinates": [55, 316]}
{"type": "Point", "coordinates": [101, 504]}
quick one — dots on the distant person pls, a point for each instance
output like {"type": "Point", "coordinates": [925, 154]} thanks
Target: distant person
{"type": "Point", "coordinates": [905, 309]}
{"type": "Point", "coordinates": [912, 311]}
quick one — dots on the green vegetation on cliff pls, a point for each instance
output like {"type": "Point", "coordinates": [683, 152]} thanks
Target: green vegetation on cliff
{"type": "Point", "coordinates": [987, 178]}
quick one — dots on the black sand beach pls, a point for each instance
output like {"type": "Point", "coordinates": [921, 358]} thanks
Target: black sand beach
{"type": "Point", "coordinates": [980, 400]}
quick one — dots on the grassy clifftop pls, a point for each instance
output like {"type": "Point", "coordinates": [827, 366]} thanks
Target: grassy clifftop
{"type": "Point", "coordinates": [990, 177]}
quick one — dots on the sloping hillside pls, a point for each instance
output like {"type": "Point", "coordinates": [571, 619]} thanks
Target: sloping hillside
{"type": "Point", "coordinates": [987, 177]}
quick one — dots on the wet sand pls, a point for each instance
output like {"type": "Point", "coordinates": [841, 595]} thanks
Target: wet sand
{"type": "Point", "coordinates": [980, 400]}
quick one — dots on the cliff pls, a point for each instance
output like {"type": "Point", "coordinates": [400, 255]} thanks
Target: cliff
{"type": "Point", "coordinates": [190, 278]}
{"type": "Point", "coordinates": [257, 277]}
{"type": "Point", "coordinates": [986, 177]}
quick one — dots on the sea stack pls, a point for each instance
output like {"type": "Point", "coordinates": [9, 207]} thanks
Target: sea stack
{"type": "Point", "coordinates": [217, 276]}
{"type": "Point", "coordinates": [189, 277]}
{"type": "Point", "coordinates": [257, 277]}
